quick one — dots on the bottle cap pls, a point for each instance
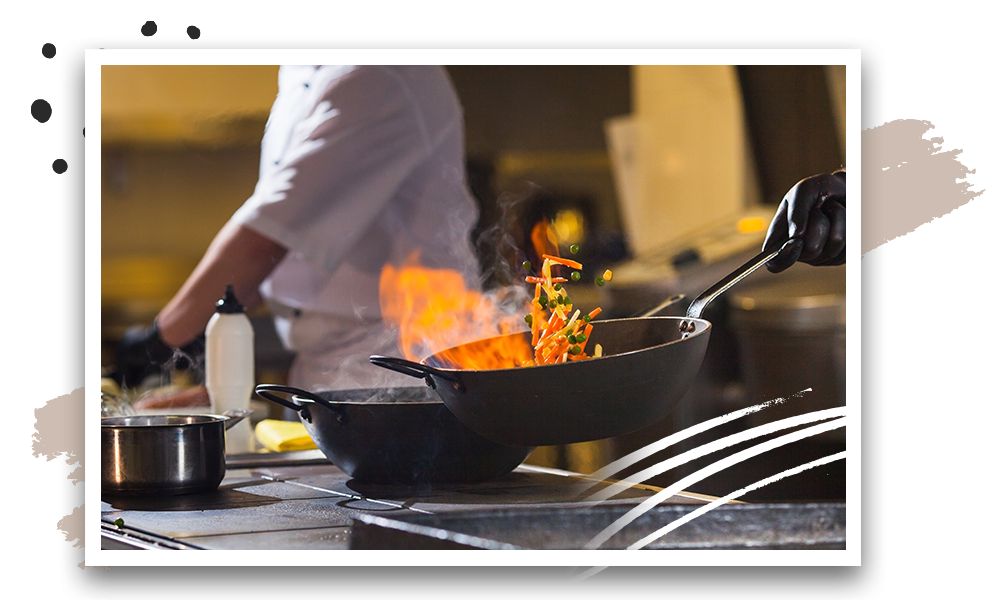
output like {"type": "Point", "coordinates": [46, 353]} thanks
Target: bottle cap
{"type": "Point", "coordinates": [229, 304]}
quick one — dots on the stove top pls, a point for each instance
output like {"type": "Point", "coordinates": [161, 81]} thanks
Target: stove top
{"type": "Point", "coordinates": [300, 501]}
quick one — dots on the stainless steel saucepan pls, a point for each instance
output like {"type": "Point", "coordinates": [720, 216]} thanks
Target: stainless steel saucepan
{"type": "Point", "coordinates": [164, 454]}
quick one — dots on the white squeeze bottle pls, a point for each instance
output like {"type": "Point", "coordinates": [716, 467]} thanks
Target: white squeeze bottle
{"type": "Point", "coordinates": [229, 367]}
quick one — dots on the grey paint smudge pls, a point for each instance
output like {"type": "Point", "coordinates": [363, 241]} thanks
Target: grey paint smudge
{"type": "Point", "coordinates": [907, 180]}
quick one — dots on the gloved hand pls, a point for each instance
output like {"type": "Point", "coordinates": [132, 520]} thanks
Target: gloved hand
{"type": "Point", "coordinates": [813, 212]}
{"type": "Point", "coordinates": [142, 352]}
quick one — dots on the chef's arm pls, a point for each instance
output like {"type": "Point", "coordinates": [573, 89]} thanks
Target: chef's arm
{"type": "Point", "coordinates": [237, 256]}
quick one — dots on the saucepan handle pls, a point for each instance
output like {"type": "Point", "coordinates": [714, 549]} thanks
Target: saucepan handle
{"type": "Point", "coordinates": [407, 367]}
{"type": "Point", "coordinates": [234, 416]}
{"type": "Point", "coordinates": [265, 390]}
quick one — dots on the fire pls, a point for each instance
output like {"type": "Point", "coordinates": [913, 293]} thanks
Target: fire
{"type": "Point", "coordinates": [434, 311]}
{"type": "Point", "coordinates": [437, 314]}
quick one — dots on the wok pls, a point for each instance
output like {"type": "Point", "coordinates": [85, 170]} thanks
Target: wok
{"type": "Point", "coordinates": [648, 365]}
{"type": "Point", "coordinates": [402, 436]}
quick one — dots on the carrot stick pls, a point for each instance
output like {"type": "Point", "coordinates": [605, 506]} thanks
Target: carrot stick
{"type": "Point", "coordinates": [536, 279]}
{"type": "Point", "coordinates": [563, 261]}
{"type": "Point", "coordinates": [586, 334]}
{"type": "Point", "coordinates": [551, 327]}
{"type": "Point", "coordinates": [595, 312]}
{"type": "Point", "coordinates": [535, 317]}
{"type": "Point", "coordinates": [555, 352]}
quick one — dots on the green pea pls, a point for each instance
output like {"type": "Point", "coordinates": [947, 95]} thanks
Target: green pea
{"type": "Point", "coordinates": [586, 318]}
{"type": "Point", "coordinates": [599, 281]}
{"type": "Point", "coordinates": [527, 265]}
{"type": "Point", "coordinates": [527, 319]}
{"type": "Point", "coordinates": [575, 350]}
{"type": "Point", "coordinates": [580, 338]}
{"type": "Point", "coordinates": [571, 338]}
{"type": "Point", "coordinates": [119, 522]}
{"type": "Point", "coordinates": [557, 287]}
{"type": "Point", "coordinates": [574, 248]}
{"type": "Point", "coordinates": [552, 303]}
{"type": "Point", "coordinates": [575, 276]}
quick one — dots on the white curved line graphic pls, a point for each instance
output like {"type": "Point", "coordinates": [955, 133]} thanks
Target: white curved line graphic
{"type": "Point", "coordinates": [618, 487]}
{"type": "Point", "coordinates": [647, 451]}
{"type": "Point", "coordinates": [649, 539]}
{"type": "Point", "coordinates": [708, 471]}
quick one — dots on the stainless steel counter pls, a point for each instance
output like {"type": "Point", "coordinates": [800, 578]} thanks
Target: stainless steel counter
{"type": "Point", "coordinates": [303, 502]}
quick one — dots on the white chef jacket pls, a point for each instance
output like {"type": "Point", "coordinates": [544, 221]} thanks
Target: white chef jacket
{"type": "Point", "coordinates": [360, 166]}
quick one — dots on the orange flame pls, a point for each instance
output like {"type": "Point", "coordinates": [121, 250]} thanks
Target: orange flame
{"type": "Point", "coordinates": [434, 311]}
{"type": "Point", "coordinates": [543, 238]}
{"type": "Point", "coordinates": [437, 314]}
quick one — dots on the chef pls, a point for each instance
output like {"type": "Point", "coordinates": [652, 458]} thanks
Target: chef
{"type": "Point", "coordinates": [814, 214]}
{"type": "Point", "coordinates": [360, 167]}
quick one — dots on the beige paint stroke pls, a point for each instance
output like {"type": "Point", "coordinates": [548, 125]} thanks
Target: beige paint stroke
{"type": "Point", "coordinates": [59, 433]}
{"type": "Point", "coordinates": [907, 180]}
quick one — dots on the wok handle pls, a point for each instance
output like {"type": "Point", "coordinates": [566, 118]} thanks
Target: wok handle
{"type": "Point", "coordinates": [412, 369]}
{"type": "Point", "coordinates": [265, 390]}
{"type": "Point", "coordinates": [701, 302]}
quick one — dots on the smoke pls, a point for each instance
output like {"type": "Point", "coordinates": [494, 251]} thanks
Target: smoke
{"type": "Point", "coordinates": [500, 246]}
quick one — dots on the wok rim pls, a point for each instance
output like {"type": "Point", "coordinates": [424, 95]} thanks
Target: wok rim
{"type": "Point", "coordinates": [431, 399]}
{"type": "Point", "coordinates": [350, 403]}
{"type": "Point", "coordinates": [705, 331]}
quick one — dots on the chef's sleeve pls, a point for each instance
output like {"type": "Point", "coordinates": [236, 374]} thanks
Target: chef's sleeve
{"type": "Point", "coordinates": [343, 164]}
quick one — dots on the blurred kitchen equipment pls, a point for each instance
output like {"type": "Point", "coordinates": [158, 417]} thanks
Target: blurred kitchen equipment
{"type": "Point", "coordinates": [648, 365]}
{"type": "Point", "coordinates": [680, 159]}
{"type": "Point", "coordinates": [665, 270]}
{"type": "Point", "coordinates": [402, 436]}
{"type": "Point", "coordinates": [662, 306]}
{"type": "Point", "coordinates": [164, 454]}
{"type": "Point", "coordinates": [791, 333]}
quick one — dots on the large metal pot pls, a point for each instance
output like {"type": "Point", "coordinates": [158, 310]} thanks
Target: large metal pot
{"type": "Point", "coordinates": [402, 436]}
{"type": "Point", "coordinates": [792, 335]}
{"type": "Point", "coordinates": [164, 454]}
{"type": "Point", "coordinates": [648, 366]}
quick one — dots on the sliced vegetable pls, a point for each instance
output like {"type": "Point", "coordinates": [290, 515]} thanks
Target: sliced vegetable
{"type": "Point", "coordinates": [563, 261]}
{"type": "Point", "coordinates": [562, 334]}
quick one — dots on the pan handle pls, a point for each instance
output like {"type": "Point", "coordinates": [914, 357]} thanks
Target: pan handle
{"type": "Point", "coordinates": [412, 369]}
{"type": "Point", "coordinates": [701, 302]}
{"type": "Point", "coordinates": [265, 390]}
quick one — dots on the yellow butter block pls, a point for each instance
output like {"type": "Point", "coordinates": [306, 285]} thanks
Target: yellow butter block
{"type": "Point", "coordinates": [283, 436]}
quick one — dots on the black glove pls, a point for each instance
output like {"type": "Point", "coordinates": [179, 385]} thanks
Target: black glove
{"type": "Point", "coordinates": [814, 213]}
{"type": "Point", "coordinates": [142, 352]}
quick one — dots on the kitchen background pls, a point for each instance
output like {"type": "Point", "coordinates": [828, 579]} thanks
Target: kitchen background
{"type": "Point", "coordinates": [667, 175]}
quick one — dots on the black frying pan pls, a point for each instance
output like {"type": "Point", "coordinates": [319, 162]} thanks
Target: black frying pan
{"type": "Point", "coordinates": [648, 365]}
{"type": "Point", "coordinates": [402, 436]}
